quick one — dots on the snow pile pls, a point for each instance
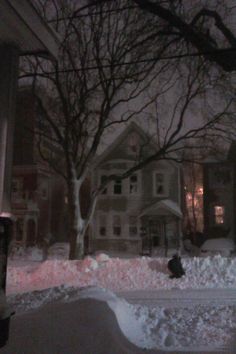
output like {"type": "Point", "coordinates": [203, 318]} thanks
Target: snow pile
{"type": "Point", "coordinates": [20, 253]}
{"type": "Point", "coordinates": [59, 250]}
{"type": "Point", "coordinates": [223, 246]}
{"type": "Point", "coordinates": [122, 274]}
{"type": "Point", "coordinates": [198, 327]}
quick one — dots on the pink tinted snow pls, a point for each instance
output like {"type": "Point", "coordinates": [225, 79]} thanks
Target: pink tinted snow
{"type": "Point", "coordinates": [118, 274]}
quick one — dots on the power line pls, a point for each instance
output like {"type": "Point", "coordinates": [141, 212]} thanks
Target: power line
{"type": "Point", "coordinates": [171, 57]}
{"type": "Point", "coordinates": [92, 14]}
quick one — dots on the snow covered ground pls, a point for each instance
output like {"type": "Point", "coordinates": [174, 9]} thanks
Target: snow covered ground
{"type": "Point", "coordinates": [196, 312]}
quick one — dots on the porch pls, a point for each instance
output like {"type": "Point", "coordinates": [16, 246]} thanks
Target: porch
{"type": "Point", "coordinates": [161, 227]}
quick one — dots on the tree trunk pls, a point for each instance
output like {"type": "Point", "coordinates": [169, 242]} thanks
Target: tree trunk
{"type": "Point", "coordinates": [76, 245]}
{"type": "Point", "coordinates": [76, 223]}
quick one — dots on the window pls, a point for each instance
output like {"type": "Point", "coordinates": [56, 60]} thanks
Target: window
{"type": "Point", "coordinates": [117, 186]}
{"type": "Point", "coordinates": [159, 184]}
{"type": "Point", "coordinates": [116, 225]}
{"type": "Point", "coordinates": [219, 213]}
{"type": "Point", "coordinates": [133, 230]}
{"type": "Point", "coordinates": [133, 143]}
{"type": "Point", "coordinates": [44, 190]}
{"type": "Point", "coordinates": [103, 180]}
{"type": "Point", "coordinates": [102, 225]}
{"type": "Point", "coordinates": [17, 189]}
{"type": "Point", "coordinates": [133, 184]}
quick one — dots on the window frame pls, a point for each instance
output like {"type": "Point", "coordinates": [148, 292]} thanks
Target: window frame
{"type": "Point", "coordinates": [116, 225]}
{"type": "Point", "coordinates": [165, 183]}
{"type": "Point", "coordinates": [120, 184]}
{"type": "Point", "coordinates": [100, 216]}
{"type": "Point", "coordinates": [133, 225]}
{"type": "Point", "coordinates": [219, 215]}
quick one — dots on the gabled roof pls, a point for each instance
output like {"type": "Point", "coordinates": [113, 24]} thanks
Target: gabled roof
{"type": "Point", "coordinates": [163, 207]}
{"type": "Point", "coordinates": [127, 130]}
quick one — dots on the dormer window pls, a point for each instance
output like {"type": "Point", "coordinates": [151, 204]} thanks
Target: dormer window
{"type": "Point", "coordinates": [133, 143]}
{"type": "Point", "coordinates": [133, 184]}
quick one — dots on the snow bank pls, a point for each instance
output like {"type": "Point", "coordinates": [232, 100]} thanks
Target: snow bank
{"type": "Point", "coordinates": [223, 246]}
{"type": "Point", "coordinates": [199, 327]}
{"type": "Point", "coordinates": [121, 274]}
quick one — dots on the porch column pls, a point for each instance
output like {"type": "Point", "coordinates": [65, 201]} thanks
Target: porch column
{"type": "Point", "coordinates": [9, 59]}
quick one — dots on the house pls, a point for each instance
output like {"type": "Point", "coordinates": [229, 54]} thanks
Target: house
{"type": "Point", "coordinates": [142, 213]}
{"type": "Point", "coordinates": [219, 184]}
{"type": "Point", "coordinates": [38, 193]}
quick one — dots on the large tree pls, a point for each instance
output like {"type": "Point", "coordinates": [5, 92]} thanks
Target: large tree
{"type": "Point", "coordinates": [192, 20]}
{"type": "Point", "coordinates": [106, 76]}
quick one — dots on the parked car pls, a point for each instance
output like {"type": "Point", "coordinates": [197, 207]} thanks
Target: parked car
{"type": "Point", "coordinates": [222, 246]}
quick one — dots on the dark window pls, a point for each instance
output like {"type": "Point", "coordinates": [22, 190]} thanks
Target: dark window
{"type": "Point", "coordinates": [118, 186]}
{"type": "Point", "coordinates": [133, 230]}
{"type": "Point", "coordinates": [102, 225]}
{"type": "Point", "coordinates": [116, 225]}
{"type": "Point", "coordinates": [133, 184]}
{"type": "Point", "coordinates": [103, 231]}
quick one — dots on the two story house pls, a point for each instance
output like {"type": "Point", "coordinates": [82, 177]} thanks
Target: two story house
{"type": "Point", "coordinates": [219, 184]}
{"type": "Point", "coordinates": [142, 213]}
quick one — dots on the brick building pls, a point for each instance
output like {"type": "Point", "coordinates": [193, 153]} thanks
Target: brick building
{"type": "Point", "coordinates": [38, 193]}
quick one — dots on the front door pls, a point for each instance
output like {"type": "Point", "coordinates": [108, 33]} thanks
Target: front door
{"type": "Point", "coordinates": [156, 233]}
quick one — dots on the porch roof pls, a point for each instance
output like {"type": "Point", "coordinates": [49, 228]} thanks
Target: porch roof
{"type": "Point", "coordinates": [163, 207]}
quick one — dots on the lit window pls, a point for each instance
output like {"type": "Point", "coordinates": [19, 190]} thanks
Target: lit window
{"type": "Point", "coordinates": [133, 230]}
{"type": "Point", "coordinates": [102, 225]}
{"type": "Point", "coordinates": [219, 212]}
{"type": "Point", "coordinates": [117, 186]}
{"type": "Point", "coordinates": [116, 225]}
{"type": "Point", "coordinates": [103, 180]}
{"type": "Point", "coordinates": [159, 184]}
{"type": "Point", "coordinates": [133, 184]}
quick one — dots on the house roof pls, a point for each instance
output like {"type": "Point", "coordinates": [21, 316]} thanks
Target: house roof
{"type": "Point", "coordinates": [163, 207]}
{"type": "Point", "coordinates": [118, 140]}
{"type": "Point", "coordinates": [23, 27]}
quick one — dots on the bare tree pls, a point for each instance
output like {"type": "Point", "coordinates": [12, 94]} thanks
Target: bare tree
{"type": "Point", "coordinates": [216, 43]}
{"type": "Point", "coordinates": [104, 78]}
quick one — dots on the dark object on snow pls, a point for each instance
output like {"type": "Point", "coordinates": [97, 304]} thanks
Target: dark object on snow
{"type": "Point", "coordinates": [175, 267]}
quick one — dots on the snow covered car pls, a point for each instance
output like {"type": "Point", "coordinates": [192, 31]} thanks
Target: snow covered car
{"type": "Point", "coordinates": [222, 246]}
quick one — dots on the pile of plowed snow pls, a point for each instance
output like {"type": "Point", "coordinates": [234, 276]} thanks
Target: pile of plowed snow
{"type": "Point", "coordinates": [118, 274]}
